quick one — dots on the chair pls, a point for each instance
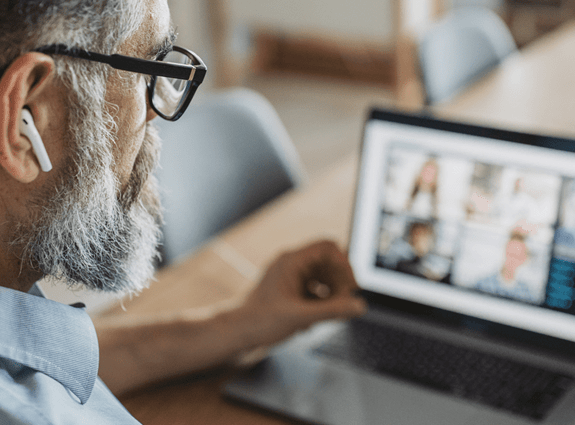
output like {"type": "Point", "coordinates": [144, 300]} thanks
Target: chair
{"type": "Point", "coordinates": [226, 157]}
{"type": "Point", "coordinates": [461, 48]}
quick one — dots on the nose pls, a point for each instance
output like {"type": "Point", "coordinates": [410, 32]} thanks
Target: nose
{"type": "Point", "coordinates": [150, 113]}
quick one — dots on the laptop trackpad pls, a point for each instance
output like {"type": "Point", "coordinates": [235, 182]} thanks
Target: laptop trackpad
{"type": "Point", "coordinates": [301, 386]}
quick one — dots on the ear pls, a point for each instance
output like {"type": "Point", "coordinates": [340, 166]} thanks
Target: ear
{"type": "Point", "coordinates": [22, 83]}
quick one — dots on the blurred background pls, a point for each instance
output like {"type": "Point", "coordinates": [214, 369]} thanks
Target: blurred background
{"type": "Point", "coordinates": [321, 63]}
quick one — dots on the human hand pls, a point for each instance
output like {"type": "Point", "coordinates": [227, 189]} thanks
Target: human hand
{"type": "Point", "coordinates": [300, 288]}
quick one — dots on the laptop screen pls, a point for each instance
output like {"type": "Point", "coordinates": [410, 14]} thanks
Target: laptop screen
{"type": "Point", "coordinates": [468, 219]}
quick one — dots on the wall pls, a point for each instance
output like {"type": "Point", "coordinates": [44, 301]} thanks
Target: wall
{"type": "Point", "coordinates": [358, 19]}
{"type": "Point", "coordinates": [371, 19]}
{"type": "Point", "coordinates": [192, 26]}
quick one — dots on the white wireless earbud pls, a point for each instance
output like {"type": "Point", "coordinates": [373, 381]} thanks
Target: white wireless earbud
{"type": "Point", "coordinates": [28, 128]}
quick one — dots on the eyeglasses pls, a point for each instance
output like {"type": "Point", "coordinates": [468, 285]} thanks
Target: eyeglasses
{"type": "Point", "coordinates": [175, 75]}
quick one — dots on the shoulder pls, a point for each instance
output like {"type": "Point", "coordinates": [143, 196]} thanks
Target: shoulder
{"type": "Point", "coordinates": [16, 406]}
{"type": "Point", "coordinates": [30, 397]}
{"type": "Point", "coordinates": [524, 293]}
{"type": "Point", "coordinates": [488, 283]}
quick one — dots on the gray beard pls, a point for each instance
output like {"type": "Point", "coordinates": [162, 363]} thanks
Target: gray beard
{"type": "Point", "coordinates": [85, 233]}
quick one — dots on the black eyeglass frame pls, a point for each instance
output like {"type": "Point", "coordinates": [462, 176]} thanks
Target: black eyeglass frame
{"type": "Point", "coordinates": [155, 68]}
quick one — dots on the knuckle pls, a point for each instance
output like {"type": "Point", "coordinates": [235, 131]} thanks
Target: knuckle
{"type": "Point", "coordinates": [328, 244]}
{"type": "Point", "coordinates": [330, 250]}
{"type": "Point", "coordinates": [284, 257]}
{"type": "Point", "coordinates": [324, 248]}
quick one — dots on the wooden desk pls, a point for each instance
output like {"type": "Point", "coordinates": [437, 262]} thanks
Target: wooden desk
{"type": "Point", "coordinates": [533, 91]}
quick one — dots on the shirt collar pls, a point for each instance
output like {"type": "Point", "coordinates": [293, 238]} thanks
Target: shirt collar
{"type": "Point", "coordinates": [55, 339]}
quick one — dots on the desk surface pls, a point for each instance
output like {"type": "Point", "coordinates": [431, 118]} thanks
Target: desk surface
{"type": "Point", "coordinates": [533, 91]}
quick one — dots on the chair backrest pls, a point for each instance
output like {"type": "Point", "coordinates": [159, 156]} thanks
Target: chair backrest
{"type": "Point", "coordinates": [226, 157]}
{"type": "Point", "coordinates": [460, 48]}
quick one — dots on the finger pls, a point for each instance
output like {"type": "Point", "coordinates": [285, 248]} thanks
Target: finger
{"type": "Point", "coordinates": [316, 289]}
{"type": "Point", "coordinates": [335, 308]}
{"type": "Point", "coordinates": [325, 263]}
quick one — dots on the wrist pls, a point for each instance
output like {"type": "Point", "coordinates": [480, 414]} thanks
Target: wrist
{"type": "Point", "coordinates": [232, 330]}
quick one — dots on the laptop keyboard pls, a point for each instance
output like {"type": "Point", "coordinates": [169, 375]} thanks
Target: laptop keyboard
{"type": "Point", "coordinates": [485, 378]}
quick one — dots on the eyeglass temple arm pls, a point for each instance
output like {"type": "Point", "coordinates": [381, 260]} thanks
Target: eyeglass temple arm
{"type": "Point", "coordinates": [128, 63]}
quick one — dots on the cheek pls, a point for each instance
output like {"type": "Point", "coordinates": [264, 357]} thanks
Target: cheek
{"type": "Point", "coordinates": [131, 124]}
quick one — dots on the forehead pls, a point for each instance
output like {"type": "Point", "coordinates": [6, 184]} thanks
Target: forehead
{"type": "Point", "coordinates": [155, 29]}
{"type": "Point", "coordinates": [420, 230]}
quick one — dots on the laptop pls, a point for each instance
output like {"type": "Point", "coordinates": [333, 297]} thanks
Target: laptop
{"type": "Point", "coordinates": [463, 243]}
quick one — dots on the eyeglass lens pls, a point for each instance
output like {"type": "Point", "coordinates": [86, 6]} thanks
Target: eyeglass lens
{"type": "Point", "coordinates": [170, 93]}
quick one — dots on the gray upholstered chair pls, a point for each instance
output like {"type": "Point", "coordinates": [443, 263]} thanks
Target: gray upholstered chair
{"type": "Point", "coordinates": [227, 156]}
{"type": "Point", "coordinates": [460, 48]}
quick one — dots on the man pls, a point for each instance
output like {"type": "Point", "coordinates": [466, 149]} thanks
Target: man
{"type": "Point", "coordinates": [508, 281]}
{"type": "Point", "coordinates": [417, 258]}
{"type": "Point", "coordinates": [92, 220]}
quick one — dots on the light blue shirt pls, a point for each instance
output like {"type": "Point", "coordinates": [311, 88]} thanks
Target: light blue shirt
{"type": "Point", "coordinates": [49, 365]}
{"type": "Point", "coordinates": [494, 284]}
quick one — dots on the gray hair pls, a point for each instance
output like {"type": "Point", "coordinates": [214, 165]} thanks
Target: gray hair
{"type": "Point", "coordinates": [101, 26]}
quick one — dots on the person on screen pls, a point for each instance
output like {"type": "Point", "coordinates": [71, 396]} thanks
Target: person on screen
{"type": "Point", "coordinates": [422, 201]}
{"type": "Point", "coordinates": [86, 213]}
{"type": "Point", "coordinates": [417, 258]}
{"type": "Point", "coordinates": [507, 281]}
